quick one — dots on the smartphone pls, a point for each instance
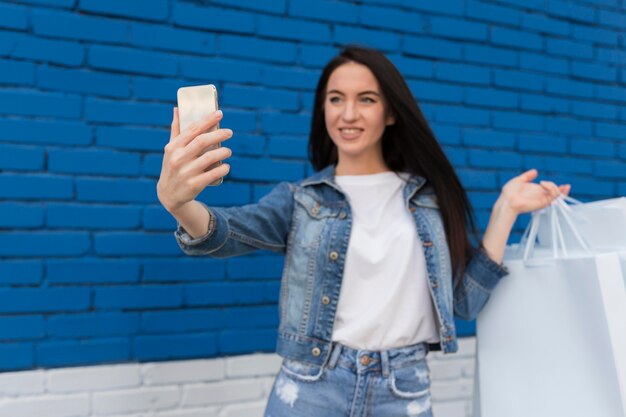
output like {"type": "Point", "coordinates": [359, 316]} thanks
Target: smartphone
{"type": "Point", "coordinates": [194, 104]}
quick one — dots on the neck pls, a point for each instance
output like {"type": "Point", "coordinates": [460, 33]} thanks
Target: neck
{"type": "Point", "coordinates": [347, 166]}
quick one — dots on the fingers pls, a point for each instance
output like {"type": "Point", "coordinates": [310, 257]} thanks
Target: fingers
{"type": "Point", "coordinates": [529, 175]}
{"type": "Point", "coordinates": [203, 141]}
{"type": "Point", "coordinates": [175, 129]}
{"type": "Point", "coordinates": [197, 128]}
{"type": "Point", "coordinates": [551, 188]}
{"type": "Point", "coordinates": [565, 189]}
{"type": "Point", "coordinates": [213, 175]}
{"type": "Point", "coordinates": [209, 158]}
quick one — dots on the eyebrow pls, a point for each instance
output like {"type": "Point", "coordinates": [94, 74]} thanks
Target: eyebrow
{"type": "Point", "coordinates": [359, 94]}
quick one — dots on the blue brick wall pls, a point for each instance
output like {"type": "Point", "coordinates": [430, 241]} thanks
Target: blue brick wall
{"type": "Point", "coordinates": [89, 270]}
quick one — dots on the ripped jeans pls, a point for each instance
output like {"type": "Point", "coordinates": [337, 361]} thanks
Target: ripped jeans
{"type": "Point", "coordinates": [355, 383]}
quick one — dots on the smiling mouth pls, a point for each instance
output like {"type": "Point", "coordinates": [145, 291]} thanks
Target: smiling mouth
{"type": "Point", "coordinates": [350, 133]}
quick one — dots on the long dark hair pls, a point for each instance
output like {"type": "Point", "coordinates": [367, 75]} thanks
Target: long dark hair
{"type": "Point", "coordinates": [409, 145]}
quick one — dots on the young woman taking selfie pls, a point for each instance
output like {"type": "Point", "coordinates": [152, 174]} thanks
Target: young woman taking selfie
{"type": "Point", "coordinates": [378, 258]}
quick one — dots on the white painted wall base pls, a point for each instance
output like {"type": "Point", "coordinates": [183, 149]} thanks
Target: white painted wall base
{"type": "Point", "coordinates": [224, 387]}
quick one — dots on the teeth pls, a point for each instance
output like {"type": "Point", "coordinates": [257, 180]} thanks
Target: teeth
{"type": "Point", "coordinates": [351, 130]}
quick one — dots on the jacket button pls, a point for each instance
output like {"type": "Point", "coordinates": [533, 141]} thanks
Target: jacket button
{"type": "Point", "coordinates": [412, 209]}
{"type": "Point", "coordinates": [342, 215]}
{"type": "Point", "coordinates": [435, 284]}
{"type": "Point", "coordinates": [315, 210]}
{"type": "Point", "coordinates": [316, 351]}
{"type": "Point", "coordinates": [334, 255]}
{"type": "Point", "coordinates": [325, 300]}
{"type": "Point", "coordinates": [428, 243]}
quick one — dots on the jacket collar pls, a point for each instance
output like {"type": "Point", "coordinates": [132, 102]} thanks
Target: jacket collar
{"type": "Point", "coordinates": [327, 176]}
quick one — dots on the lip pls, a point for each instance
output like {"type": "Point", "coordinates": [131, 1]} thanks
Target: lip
{"type": "Point", "coordinates": [352, 135]}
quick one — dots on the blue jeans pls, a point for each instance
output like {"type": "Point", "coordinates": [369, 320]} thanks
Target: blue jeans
{"type": "Point", "coordinates": [355, 383]}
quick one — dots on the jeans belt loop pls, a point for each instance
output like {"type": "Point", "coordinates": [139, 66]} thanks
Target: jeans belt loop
{"type": "Point", "coordinates": [384, 362]}
{"type": "Point", "coordinates": [334, 355]}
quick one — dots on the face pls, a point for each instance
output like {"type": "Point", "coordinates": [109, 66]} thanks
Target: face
{"type": "Point", "coordinates": [355, 112]}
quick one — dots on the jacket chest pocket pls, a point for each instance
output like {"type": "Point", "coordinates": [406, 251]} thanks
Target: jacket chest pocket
{"type": "Point", "coordinates": [312, 220]}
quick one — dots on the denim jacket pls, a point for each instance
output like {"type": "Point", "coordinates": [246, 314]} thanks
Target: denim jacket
{"type": "Point", "coordinates": [310, 221]}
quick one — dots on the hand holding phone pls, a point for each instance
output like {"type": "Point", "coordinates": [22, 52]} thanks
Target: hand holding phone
{"type": "Point", "coordinates": [193, 158]}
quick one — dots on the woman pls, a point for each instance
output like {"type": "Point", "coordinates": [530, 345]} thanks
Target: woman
{"type": "Point", "coordinates": [378, 257]}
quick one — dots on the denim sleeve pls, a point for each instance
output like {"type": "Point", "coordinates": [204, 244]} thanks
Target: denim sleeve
{"type": "Point", "coordinates": [481, 276]}
{"type": "Point", "coordinates": [243, 229]}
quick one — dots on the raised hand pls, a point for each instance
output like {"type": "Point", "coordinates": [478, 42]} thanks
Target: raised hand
{"type": "Point", "coordinates": [521, 195]}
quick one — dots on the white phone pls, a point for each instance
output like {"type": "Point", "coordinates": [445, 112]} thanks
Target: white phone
{"type": "Point", "coordinates": [194, 104]}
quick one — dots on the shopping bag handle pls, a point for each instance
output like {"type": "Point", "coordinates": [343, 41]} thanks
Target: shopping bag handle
{"type": "Point", "coordinates": [557, 210]}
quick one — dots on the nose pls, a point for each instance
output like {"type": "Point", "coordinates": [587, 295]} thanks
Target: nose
{"type": "Point", "coordinates": [350, 111]}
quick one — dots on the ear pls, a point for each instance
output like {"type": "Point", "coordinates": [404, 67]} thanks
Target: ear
{"type": "Point", "coordinates": [391, 119]}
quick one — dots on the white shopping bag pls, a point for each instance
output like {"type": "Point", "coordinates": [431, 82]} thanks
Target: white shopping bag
{"type": "Point", "coordinates": [552, 338]}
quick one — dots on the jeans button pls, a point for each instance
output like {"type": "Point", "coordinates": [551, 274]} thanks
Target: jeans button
{"type": "Point", "coordinates": [365, 360]}
{"type": "Point", "coordinates": [316, 351]}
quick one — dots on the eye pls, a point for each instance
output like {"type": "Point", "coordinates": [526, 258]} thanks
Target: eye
{"type": "Point", "coordinates": [368, 100]}
{"type": "Point", "coordinates": [334, 99]}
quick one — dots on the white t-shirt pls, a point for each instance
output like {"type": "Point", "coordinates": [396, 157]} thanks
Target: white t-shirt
{"type": "Point", "coordinates": [384, 300]}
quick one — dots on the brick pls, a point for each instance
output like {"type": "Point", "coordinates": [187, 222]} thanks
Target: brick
{"type": "Point", "coordinates": [116, 191]}
{"type": "Point", "coordinates": [13, 17]}
{"type": "Point", "coordinates": [571, 10]}
{"type": "Point", "coordinates": [34, 103]}
{"type": "Point", "coordinates": [595, 34]}
{"type": "Point", "coordinates": [569, 48]}
{"type": "Point", "coordinates": [545, 104]}
{"type": "Point", "coordinates": [93, 162]}
{"type": "Point", "coordinates": [410, 67]}
{"type": "Point", "coordinates": [488, 139]}
{"type": "Point", "coordinates": [142, 297]}
{"type": "Point", "coordinates": [532, 4]}
{"type": "Point", "coordinates": [270, 6]}
{"type": "Point", "coordinates": [22, 327]}
{"type": "Point", "coordinates": [462, 115]}
{"type": "Point", "coordinates": [251, 317]}
{"type": "Point", "coordinates": [568, 126]}
{"type": "Point", "coordinates": [22, 383]}
{"type": "Point", "coordinates": [594, 71]}
{"type": "Point", "coordinates": [129, 401]}
{"type": "Point", "coordinates": [43, 300]}
{"type": "Point", "coordinates": [255, 267]}
{"type": "Point", "coordinates": [81, 81]}
{"type": "Point", "coordinates": [92, 217]}
{"type": "Point", "coordinates": [292, 29]}
{"type": "Point", "coordinates": [612, 19]}
{"type": "Point", "coordinates": [543, 143]}
{"type": "Point", "coordinates": [453, 7]}
{"type": "Point", "coordinates": [288, 146]}
{"type": "Point", "coordinates": [92, 270]}
{"type": "Point", "coordinates": [324, 10]}
{"type": "Point", "coordinates": [611, 130]}
{"type": "Point", "coordinates": [79, 26]}
{"type": "Point", "coordinates": [544, 24]}
{"type": "Point", "coordinates": [186, 14]}
{"type": "Point", "coordinates": [384, 41]}
{"type": "Point", "coordinates": [23, 216]}
{"type": "Point", "coordinates": [469, 74]}
{"type": "Point", "coordinates": [569, 88]}
{"type": "Point", "coordinates": [518, 121]}
{"type": "Point", "coordinates": [132, 61]}
{"type": "Point", "coordinates": [15, 356]}
{"type": "Point", "coordinates": [172, 39]}
{"type": "Point", "coordinates": [100, 110]}
{"type": "Point", "coordinates": [182, 321]}
{"type": "Point", "coordinates": [52, 3]}
{"type": "Point", "coordinates": [131, 138]}
{"type": "Point", "coordinates": [611, 55]}
{"type": "Point", "coordinates": [518, 80]}
{"type": "Point", "coordinates": [92, 325]}
{"type": "Point", "coordinates": [92, 378]}
{"type": "Point", "coordinates": [17, 72]}
{"type": "Point", "coordinates": [184, 269]}
{"type": "Point", "coordinates": [245, 144]}
{"type": "Point", "coordinates": [285, 123]}
{"type": "Point", "coordinates": [259, 98]}
{"type": "Point", "coordinates": [491, 98]}
{"type": "Point", "coordinates": [45, 132]}
{"type": "Point", "coordinates": [35, 187]}
{"type": "Point", "coordinates": [431, 47]}
{"type": "Point", "coordinates": [392, 18]}
{"type": "Point", "coordinates": [612, 93]}
{"type": "Point", "coordinates": [516, 38]}
{"type": "Point", "coordinates": [492, 13]}
{"type": "Point", "coordinates": [240, 341]}
{"type": "Point", "coordinates": [187, 371]}
{"type": "Point", "coordinates": [458, 29]}
{"type": "Point", "coordinates": [258, 49]}
{"type": "Point", "coordinates": [22, 272]}
{"type": "Point", "coordinates": [44, 244]}
{"type": "Point", "coordinates": [175, 346]}
{"type": "Point", "coordinates": [79, 352]}
{"type": "Point", "coordinates": [134, 243]}
{"type": "Point", "coordinates": [606, 169]}
{"type": "Point", "coordinates": [594, 110]}
{"type": "Point", "coordinates": [17, 45]}
{"type": "Point", "coordinates": [143, 9]}
{"type": "Point", "coordinates": [543, 63]}
{"type": "Point", "coordinates": [214, 70]}
{"type": "Point", "coordinates": [489, 55]}
{"type": "Point", "coordinates": [235, 391]}
{"type": "Point", "coordinates": [592, 148]}
{"type": "Point", "coordinates": [262, 169]}
{"type": "Point", "coordinates": [224, 294]}
{"type": "Point", "coordinates": [289, 77]}
{"type": "Point", "coordinates": [491, 159]}
{"type": "Point", "coordinates": [21, 158]}
{"type": "Point", "coordinates": [316, 55]}
{"type": "Point", "coordinates": [435, 91]}
{"type": "Point", "coordinates": [450, 135]}
{"type": "Point", "coordinates": [157, 88]}
{"type": "Point", "coordinates": [259, 364]}
{"type": "Point", "coordinates": [156, 218]}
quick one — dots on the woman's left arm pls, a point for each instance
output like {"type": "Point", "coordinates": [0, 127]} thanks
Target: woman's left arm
{"type": "Point", "coordinates": [519, 195]}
